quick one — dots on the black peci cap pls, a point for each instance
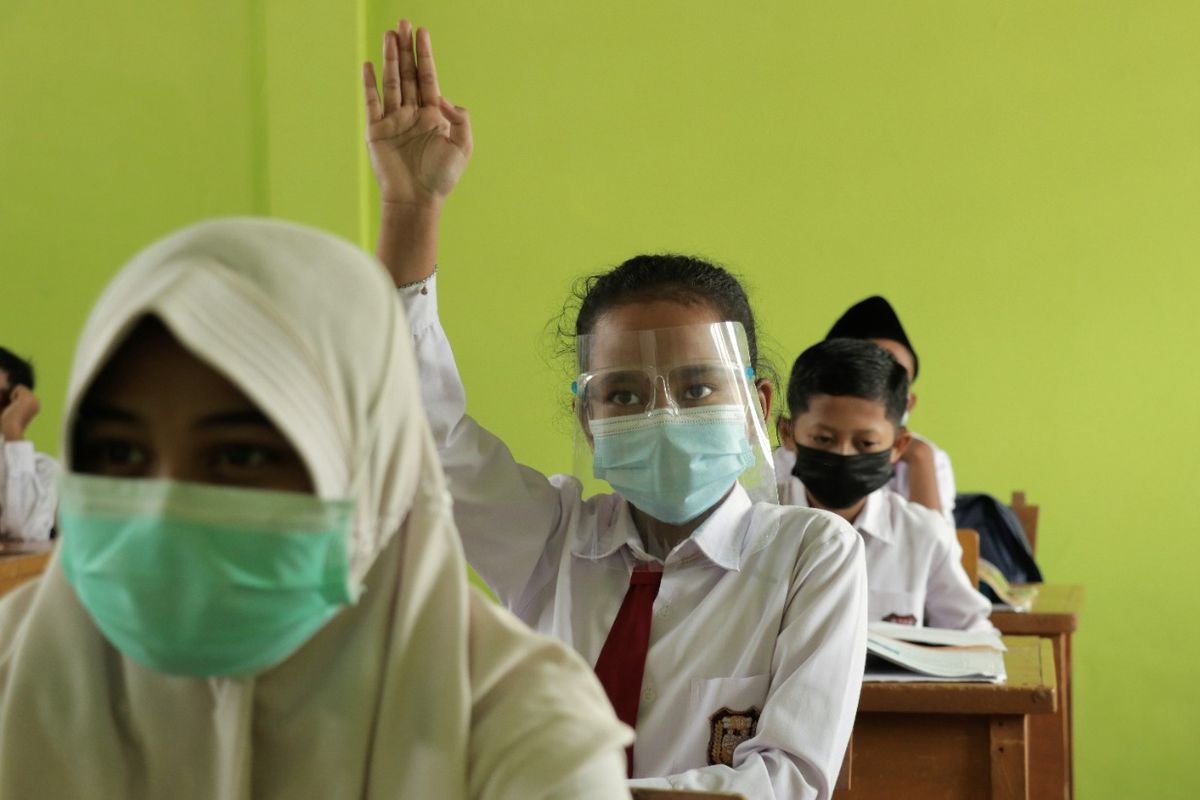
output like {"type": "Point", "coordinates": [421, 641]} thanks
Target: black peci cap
{"type": "Point", "coordinates": [873, 318]}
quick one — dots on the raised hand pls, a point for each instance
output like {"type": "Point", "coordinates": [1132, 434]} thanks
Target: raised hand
{"type": "Point", "coordinates": [22, 407]}
{"type": "Point", "coordinates": [419, 141]}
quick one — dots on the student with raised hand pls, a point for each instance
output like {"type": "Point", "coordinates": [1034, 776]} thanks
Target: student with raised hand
{"type": "Point", "coordinates": [259, 592]}
{"type": "Point", "coordinates": [846, 399]}
{"type": "Point", "coordinates": [27, 492]}
{"type": "Point", "coordinates": [923, 474]}
{"type": "Point", "coordinates": [730, 632]}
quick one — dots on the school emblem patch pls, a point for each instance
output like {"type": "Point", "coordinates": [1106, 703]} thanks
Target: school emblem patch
{"type": "Point", "coordinates": [901, 619]}
{"type": "Point", "coordinates": [728, 729]}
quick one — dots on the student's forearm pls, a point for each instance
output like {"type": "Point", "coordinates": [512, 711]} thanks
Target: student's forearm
{"type": "Point", "coordinates": [505, 512]}
{"type": "Point", "coordinates": [408, 239]}
{"type": "Point", "coordinates": [11, 430]}
{"type": "Point", "coordinates": [922, 482]}
{"type": "Point", "coordinates": [767, 775]}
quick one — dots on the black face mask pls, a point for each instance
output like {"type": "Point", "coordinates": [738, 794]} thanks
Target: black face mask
{"type": "Point", "coordinates": [838, 481]}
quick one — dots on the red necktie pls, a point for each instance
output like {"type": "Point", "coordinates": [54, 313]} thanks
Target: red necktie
{"type": "Point", "coordinates": [622, 660]}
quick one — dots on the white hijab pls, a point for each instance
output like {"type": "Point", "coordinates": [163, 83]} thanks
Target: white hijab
{"type": "Point", "coordinates": [422, 689]}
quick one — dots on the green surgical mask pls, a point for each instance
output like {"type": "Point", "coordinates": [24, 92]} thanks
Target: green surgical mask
{"type": "Point", "coordinates": [199, 580]}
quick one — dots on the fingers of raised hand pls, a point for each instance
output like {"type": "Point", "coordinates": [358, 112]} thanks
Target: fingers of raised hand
{"type": "Point", "coordinates": [426, 71]}
{"type": "Point", "coordinates": [391, 72]}
{"type": "Point", "coordinates": [456, 114]}
{"type": "Point", "coordinates": [371, 102]}
{"type": "Point", "coordinates": [460, 125]}
{"type": "Point", "coordinates": [409, 80]}
{"type": "Point", "coordinates": [408, 64]}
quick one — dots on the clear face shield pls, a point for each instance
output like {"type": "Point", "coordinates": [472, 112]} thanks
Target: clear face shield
{"type": "Point", "coordinates": [671, 418]}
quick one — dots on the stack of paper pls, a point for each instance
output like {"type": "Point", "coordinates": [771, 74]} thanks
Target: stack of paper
{"type": "Point", "coordinates": [908, 653]}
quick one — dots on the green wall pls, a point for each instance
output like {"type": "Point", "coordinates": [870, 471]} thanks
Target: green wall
{"type": "Point", "coordinates": [1021, 179]}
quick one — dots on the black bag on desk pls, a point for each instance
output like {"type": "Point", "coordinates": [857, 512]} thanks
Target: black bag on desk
{"type": "Point", "coordinates": [1001, 538]}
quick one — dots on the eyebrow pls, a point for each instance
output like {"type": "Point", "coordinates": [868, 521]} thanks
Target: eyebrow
{"type": "Point", "coordinates": [700, 369]}
{"type": "Point", "coordinates": [92, 413]}
{"type": "Point", "coordinates": [251, 416]}
{"type": "Point", "coordinates": [857, 432]}
{"type": "Point", "coordinates": [621, 374]}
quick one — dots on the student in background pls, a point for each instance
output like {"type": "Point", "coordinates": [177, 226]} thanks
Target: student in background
{"type": "Point", "coordinates": [730, 633]}
{"type": "Point", "coordinates": [258, 591]}
{"type": "Point", "coordinates": [845, 400]}
{"type": "Point", "coordinates": [923, 474]}
{"type": "Point", "coordinates": [27, 490]}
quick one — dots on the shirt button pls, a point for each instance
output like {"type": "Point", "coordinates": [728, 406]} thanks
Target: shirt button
{"type": "Point", "coordinates": [648, 695]}
{"type": "Point", "coordinates": [665, 611]}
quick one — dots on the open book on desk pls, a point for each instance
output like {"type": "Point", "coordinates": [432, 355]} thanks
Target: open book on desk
{"type": "Point", "coordinates": [1012, 598]}
{"type": "Point", "coordinates": [906, 653]}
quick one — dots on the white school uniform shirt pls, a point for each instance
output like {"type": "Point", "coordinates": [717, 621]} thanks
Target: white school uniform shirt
{"type": "Point", "coordinates": [943, 472]}
{"type": "Point", "coordinates": [28, 492]}
{"type": "Point", "coordinates": [762, 610]}
{"type": "Point", "coordinates": [914, 563]}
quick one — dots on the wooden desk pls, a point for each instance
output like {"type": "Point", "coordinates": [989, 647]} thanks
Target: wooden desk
{"type": "Point", "coordinates": [944, 741]}
{"type": "Point", "coordinates": [20, 563]}
{"type": "Point", "coordinates": [1054, 617]}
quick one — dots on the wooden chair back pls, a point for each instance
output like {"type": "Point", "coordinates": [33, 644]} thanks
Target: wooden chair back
{"type": "Point", "coordinates": [18, 567]}
{"type": "Point", "coordinates": [969, 541]}
{"type": "Point", "coordinates": [1028, 515]}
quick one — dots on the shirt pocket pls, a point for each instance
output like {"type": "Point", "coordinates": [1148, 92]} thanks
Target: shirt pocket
{"type": "Point", "coordinates": [722, 713]}
{"type": "Point", "coordinates": [905, 608]}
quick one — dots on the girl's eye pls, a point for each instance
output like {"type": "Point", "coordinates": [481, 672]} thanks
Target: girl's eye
{"type": "Point", "coordinates": [114, 455]}
{"type": "Point", "coordinates": [246, 456]}
{"type": "Point", "coordinates": [823, 440]}
{"type": "Point", "coordinates": [698, 391]}
{"type": "Point", "coordinates": [867, 447]}
{"type": "Point", "coordinates": [624, 398]}
{"type": "Point", "coordinates": [124, 453]}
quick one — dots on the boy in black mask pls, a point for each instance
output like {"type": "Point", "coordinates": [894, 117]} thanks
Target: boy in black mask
{"type": "Point", "coordinates": [923, 474]}
{"type": "Point", "coordinates": [846, 398]}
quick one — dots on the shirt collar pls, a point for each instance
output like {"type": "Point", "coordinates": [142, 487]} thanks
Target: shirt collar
{"type": "Point", "coordinates": [720, 538]}
{"type": "Point", "coordinates": [872, 521]}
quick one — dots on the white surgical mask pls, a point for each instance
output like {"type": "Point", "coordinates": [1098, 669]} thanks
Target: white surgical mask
{"type": "Point", "coordinates": [673, 466]}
